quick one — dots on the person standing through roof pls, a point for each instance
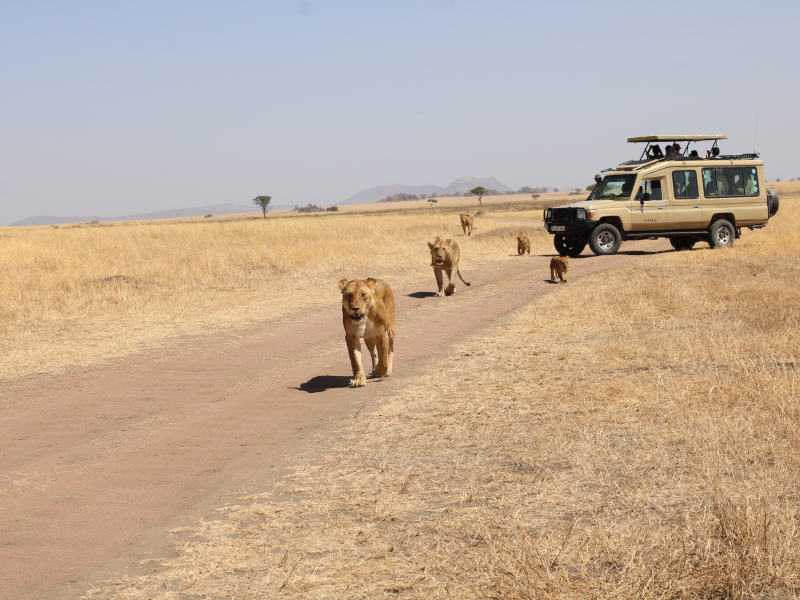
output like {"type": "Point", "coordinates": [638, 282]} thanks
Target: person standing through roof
{"type": "Point", "coordinates": [654, 152]}
{"type": "Point", "coordinates": [674, 151]}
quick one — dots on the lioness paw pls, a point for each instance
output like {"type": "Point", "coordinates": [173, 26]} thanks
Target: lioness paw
{"type": "Point", "coordinates": [358, 381]}
{"type": "Point", "coordinates": [440, 293]}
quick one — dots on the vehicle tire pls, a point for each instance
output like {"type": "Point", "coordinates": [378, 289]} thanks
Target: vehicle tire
{"type": "Point", "coordinates": [772, 202]}
{"type": "Point", "coordinates": [605, 239]}
{"type": "Point", "coordinates": [721, 234]}
{"type": "Point", "coordinates": [568, 246]}
{"type": "Point", "coordinates": [682, 242]}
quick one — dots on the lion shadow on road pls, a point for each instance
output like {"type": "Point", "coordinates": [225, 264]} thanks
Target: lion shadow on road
{"type": "Point", "coordinates": [422, 295]}
{"type": "Point", "coordinates": [320, 383]}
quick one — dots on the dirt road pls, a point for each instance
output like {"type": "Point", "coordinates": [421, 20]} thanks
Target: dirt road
{"type": "Point", "coordinates": [96, 466]}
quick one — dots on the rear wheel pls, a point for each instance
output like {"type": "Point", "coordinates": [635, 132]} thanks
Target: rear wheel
{"type": "Point", "coordinates": [568, 246]}
{"type": "Point", "coordinates": [682, 242]}
{"type": "Point", "coordinates": [721, 234]}
{"type": "Point", "coordinates": [605, 239]}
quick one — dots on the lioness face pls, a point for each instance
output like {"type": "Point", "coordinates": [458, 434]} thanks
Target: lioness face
{"type": "Point", "coordinates": [440, 250]}
{"type": "Point", "coordinates": [357, 299]}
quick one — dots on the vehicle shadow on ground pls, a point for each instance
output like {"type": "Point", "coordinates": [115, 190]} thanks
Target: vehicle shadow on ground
{"type": "Point", "coordinates": [320, 383]}
{"type": "Point", "coordinates": [421, 294]}
{"type": "Point", "coordinates": [643, 252]}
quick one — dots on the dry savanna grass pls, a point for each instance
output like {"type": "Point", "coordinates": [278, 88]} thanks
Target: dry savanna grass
{"type": "Point", "coordinates": [75, 295]}
{"type": "Point", "coordinates": [633, 434]}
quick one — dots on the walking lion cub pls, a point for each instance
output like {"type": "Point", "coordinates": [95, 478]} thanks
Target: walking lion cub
{"type": "Point", "coordinates": [523, 245]}
{"type": "Point", "coordinates": [445, 255]}
{"type": "Point", "coordinates": [368, 313]}
{"type": "Point", "coordinates": [559, 265]}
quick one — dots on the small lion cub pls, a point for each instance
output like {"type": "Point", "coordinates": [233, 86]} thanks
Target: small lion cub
{"type": "Point", "coordinates": [523, 245]}
{"type": "Point", "coordinates": [559, 265]}
{"type": "Point", "coordinates": [368, 314]}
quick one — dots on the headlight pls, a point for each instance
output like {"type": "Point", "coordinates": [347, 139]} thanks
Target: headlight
{"type": "Point", "coordinates": [591, 213]}
{"type": "Point", "coordinates": [547, 214]}
{"type": "Point", "coordinates": [580, 214]}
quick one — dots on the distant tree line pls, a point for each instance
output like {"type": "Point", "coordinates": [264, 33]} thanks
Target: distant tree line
{"type": "Point", "coordinates": [486, 192]}
{"type": "Point", "coordinates": [309, 208]}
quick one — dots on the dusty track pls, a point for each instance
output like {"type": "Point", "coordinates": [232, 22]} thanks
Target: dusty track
{"type": "Point", "coordinates": [96, 466]}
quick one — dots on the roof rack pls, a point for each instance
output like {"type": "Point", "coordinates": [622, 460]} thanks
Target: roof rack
{"type": "Point", "coordinates": [678, 138]}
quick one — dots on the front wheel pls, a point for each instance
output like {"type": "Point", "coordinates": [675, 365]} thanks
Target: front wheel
{"type": "Point", "coordinates": [605, 239]}
{"type": "Point", "coordinates": [721, 234]}
{"type": "Point", "coordinates": [568, 246]}
{"type": "Point", "coordinates": [682, 242]}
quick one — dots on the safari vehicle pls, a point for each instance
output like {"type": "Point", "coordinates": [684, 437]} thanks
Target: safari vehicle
{"type": "Point", "coordinates": [680, 196]}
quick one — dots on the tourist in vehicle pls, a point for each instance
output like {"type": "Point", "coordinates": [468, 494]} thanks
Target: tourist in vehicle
{"type": "Point", "coordinates": [693, 154]}
{"type": "Point", "coordinates": [654, 152]}
{"type": "Point", "coordinates": [674, 151]}
{"type": "Point", "coordinates": [713, 153]}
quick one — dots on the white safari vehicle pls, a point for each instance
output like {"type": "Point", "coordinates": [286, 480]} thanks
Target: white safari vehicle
{"type": "Point", "coordinates": [681, 194]}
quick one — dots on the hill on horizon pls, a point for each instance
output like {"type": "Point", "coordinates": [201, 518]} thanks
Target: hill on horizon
{"type": "Point", "coordinates": [459, 186]}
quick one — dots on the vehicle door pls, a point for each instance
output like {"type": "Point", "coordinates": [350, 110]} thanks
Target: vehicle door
{"type": "Point", "coordinates": [686, 205]}
{"type": "Point", "coordinates": [650, 208]}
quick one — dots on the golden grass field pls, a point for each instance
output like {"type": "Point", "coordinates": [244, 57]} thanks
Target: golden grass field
{"type": "Point", "coordinates": [633, 434]}
{"type": "Point", "coordinates": [81, 294]}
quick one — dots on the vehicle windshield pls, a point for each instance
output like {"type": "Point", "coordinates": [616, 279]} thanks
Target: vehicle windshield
{"type": "Point", "coordinates": [615, 186]}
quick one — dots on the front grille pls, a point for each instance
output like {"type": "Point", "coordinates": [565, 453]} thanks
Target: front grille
{"type": "Point", "coordinates": [562, 215]}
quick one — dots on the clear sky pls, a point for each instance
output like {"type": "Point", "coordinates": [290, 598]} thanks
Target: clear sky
{"type": "Point", "coordinates": [113, 107]}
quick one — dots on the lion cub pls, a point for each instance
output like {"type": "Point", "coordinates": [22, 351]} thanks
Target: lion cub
{"type": "Point", "coordinates": [445, 255]}
{"type": "Point", "coordinates": [523, 245]}
{"type": "Point", "coordinates": [368, 313]}
{"type": "Point", "coordinates": [559, 265]}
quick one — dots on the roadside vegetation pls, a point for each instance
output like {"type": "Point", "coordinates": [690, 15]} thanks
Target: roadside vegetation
{"type": "Point", "coordinates": [633, 434]}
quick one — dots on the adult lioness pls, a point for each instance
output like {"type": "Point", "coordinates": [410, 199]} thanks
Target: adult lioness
{"type": "Point", "coordinates": [445, 255]}
{"type": "Point", "coordinates": [368, 312]}
{"type": "Point", "coordinates": [467, 223]}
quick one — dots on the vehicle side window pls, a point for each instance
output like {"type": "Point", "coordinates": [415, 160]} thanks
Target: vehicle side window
{"type": "Point", "coordinates": [710, 183]}
{"type": "Point", "coordinates": [649, 190]}
{"type": "Point", "coordinates": [751, 182]}
{"type": "Point", "coordinates": [728, 181]}
{"type": "Point", "coordinates": [684, 184]}
{"type": "Point", "coordinates": [736, 181]}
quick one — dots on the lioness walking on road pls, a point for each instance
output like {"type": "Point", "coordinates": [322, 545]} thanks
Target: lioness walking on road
{"type": "Point", "coordinates": [467, 223]}
{"type": "Point", "coordinates": [445, 255]}
{"type": "Point", "coordinates": [368, 313]}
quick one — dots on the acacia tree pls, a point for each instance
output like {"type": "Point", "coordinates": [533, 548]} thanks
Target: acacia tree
{"type": "Point", "coordinates": [479, 192]}
{"type": "Point", "coordinates": [263, 203]}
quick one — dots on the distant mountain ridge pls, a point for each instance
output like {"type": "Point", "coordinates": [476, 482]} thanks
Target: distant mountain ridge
{"type": "Point", "coordinates": [459, 186]}
{"type": "Point", "coordinates": [194, 211]}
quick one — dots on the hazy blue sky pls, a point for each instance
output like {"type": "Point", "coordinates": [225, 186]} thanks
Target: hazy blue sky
{"type": "Point", "coordinates": [113, 107]}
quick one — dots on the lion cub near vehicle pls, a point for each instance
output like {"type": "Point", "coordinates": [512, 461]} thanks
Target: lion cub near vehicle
{"type": "Point", "coordinates": [467, 223]}
{"type": "Point", "coordinates": [559, 265]}
{"type": "Point", "coordinates": [445, 255]}
{"type": "Point", "coordinates": [368, 312]}
{"type": "Point", "coordinates": [523, 245]}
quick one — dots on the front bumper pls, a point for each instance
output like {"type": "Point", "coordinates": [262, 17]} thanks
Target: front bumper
{"type": "Point", "coordinates": [570, 229]}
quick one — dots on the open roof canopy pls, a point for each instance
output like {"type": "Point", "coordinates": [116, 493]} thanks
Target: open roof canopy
{"type": "Point", "coordinates": [678, 138]}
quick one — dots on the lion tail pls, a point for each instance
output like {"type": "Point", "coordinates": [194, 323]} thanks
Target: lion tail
{"type": "Point", "coordinates": [462, 278]}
